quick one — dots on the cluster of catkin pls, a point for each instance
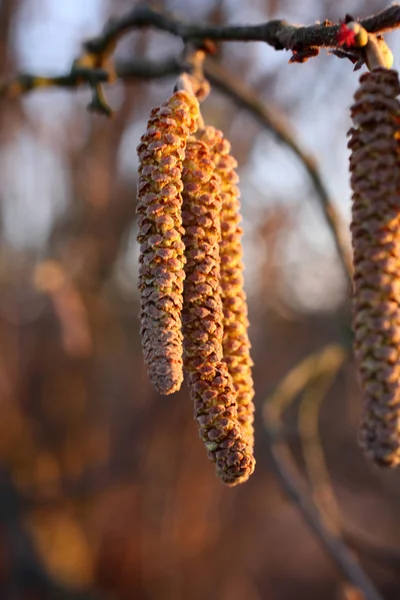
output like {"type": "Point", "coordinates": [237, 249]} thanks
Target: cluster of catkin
{"type": "Point", "coordinates": [375, 180]}
{"type": "Point", "coordinates": [193, 308]}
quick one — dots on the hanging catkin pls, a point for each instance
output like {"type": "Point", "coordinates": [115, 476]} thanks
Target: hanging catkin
{"type": "Point", "coordinates": [211, 385]}
{"type": "Point", "coordinates": [161, 273]}
{"type": "Point", "coordinates": [375, 180]}
{"type": "Point", "coordinates": [236, 344]}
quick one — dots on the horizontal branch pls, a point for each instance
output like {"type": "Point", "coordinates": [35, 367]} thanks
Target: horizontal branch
{"type": "Point", "coordinates": [277, 33]}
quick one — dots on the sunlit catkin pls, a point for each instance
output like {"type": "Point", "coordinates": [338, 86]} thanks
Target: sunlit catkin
{"type": "Point", "coordinates": [161, 273]}
{"type": "Point", "coordinates": [212, 389]}
{"type": "Point", "coordinates": [375, 180]}
{"type": "Point", "coordinates": [236, 344]}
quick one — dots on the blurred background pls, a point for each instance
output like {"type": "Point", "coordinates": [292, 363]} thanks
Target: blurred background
{"type": "Point", "coordinates": [105, 487]}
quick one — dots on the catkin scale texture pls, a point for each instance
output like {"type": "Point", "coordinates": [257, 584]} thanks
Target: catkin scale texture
{"type": "Point", "coordinates": [375, 229]}
{"type": "Point", "coordinates": [161, 272]}
{"type": "Point", "coordinates": [211, 385]}
{"type": "Point", "coordinates": [236, 343]}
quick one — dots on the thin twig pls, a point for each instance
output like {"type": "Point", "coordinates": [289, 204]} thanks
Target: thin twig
{"type": "Point", "coordinates": [312, 449]}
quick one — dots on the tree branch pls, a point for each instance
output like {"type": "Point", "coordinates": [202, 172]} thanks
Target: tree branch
{"type": "Point", "coordinates": [277, 33]}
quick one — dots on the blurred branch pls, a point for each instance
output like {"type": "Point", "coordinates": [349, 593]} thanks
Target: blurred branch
{"type": "Point", "coordinates": [313, 376]}
{"type": "Point", "coordinates": [26, 82]}
{"type": "Point", "coordinates": [284, 469]}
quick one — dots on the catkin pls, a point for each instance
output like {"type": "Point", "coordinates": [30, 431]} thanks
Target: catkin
{"type": "Point", "coordinates": [375, 180]}
{"type": "Point", "coordinates": [236, 343]}
{"type": "Point", "coordinates": [212, 389]}
{"type": "Point", "coordinates": [161, 273]}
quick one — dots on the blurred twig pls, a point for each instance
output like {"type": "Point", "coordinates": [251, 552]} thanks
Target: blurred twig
{"type": "Point", "coordinates": [313, 376]}
{"type": "Point", "coordinates": [311, 367]}
{"type": "Point", "coordinates": [313, 453]}
{"type": "Point", "coordinates": [285, 472]}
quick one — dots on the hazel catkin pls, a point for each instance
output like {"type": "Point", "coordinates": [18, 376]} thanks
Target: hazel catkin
{"type": "Point", "coordinates": [375, 229]}
{"type": "Point", "coordinates": [212, 389]}
{"type": "Point", "coordinates": [236, 343]}
{"type": "Point", "coordinates": [161, 272]}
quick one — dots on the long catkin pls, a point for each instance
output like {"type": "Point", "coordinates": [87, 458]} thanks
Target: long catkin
{"type": "Point", "coordinates": [212, 389]}
{"type": "Point", "coordinates": [161, 273]}
{"type": "Point", "coordinates": [236, 343]}
{"type": "Point", "coordinates": [375, 180]}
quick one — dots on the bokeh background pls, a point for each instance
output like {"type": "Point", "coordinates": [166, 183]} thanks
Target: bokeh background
{"type": "Point", "coordinates": [105, 488]}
